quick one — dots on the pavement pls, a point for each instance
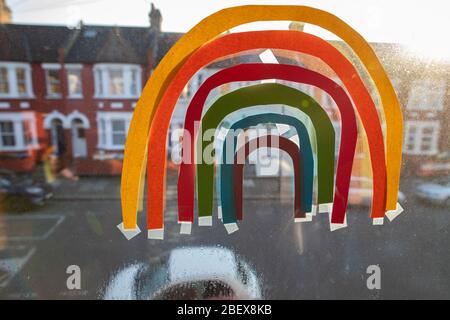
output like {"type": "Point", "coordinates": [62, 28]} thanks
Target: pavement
{"type": "Point", "coordinates": [292, 261]}
{"type": "Point", "coordinates": [87, 188]}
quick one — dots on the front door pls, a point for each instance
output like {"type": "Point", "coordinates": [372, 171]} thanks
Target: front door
{"type": "Point", "coordinates": [79, 147]}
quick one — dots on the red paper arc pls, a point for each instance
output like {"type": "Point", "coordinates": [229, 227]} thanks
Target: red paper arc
{"type": "Point", "coordinates": [259, 71]}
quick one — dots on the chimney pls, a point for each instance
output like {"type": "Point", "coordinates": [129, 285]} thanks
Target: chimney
{"type": "Point", "coordinates": [5, 12]}
{"type": "Point", "coordinates": [155, 18]}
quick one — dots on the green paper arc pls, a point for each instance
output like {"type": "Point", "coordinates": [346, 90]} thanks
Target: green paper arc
{"type": "Point", "coordinates": [266, 94]}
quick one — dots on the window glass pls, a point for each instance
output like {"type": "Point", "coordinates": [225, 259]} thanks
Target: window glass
{"type": "Point", "coordinates": [421, 138]}
{"type": "Point", "coordinates": [116, 82]}
{"type": "Point", "coordinates": [134, 83]}
{"type": "Point", "coordinates": [102, 132]}
{"type": "Point", "coordinates": [8, 138]}
{"type": "Point", "coordinates": [99, 82]}
{"type": "Point", "coordinates": [118, 132]}
{"type": "Point", "coordinates": [53, 82]}
{"type": "Point", "coordinates": [21, 81]}
{"type": "Point", "coordinates": [74, 79]}
{"type": "Point", "coordinates": [4, 85]}
{"type": "Point", "coordinates": [27, 132]}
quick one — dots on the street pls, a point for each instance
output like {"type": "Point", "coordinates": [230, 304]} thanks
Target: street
{"type": "Point", "coordinates": [292, 261]}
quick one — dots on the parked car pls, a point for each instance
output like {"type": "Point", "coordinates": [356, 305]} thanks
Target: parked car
{"type": "Point", "coordinates": [438, 166]}
{"type": "Point", "coordinates": [22, 192]}
{"type": "Point", "coordinates": [360, 192]}
{"type": "Point", "coordinates": [436, 191]}
{"type": "Point", "coordinates": [188, 273]}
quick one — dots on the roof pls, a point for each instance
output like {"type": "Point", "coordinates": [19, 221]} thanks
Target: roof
{"type": "Point", "coordinates": [84, 44]}
{"type": "Point", "coordinates": [92, 44]}
{"type": "Point", "coordinates": [121, 44]}
{"type": "Point", "coordinates": [31, 42]}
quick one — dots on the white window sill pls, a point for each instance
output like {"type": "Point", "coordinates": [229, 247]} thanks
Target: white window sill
{"type": "Point", "coordinates": [53, 97]}
{"type": "Point", "coordinates": [18, 149]}
{"type": "Point", "coordinates": [108, 156]}
{"type": "Point", "coordinates": [75, 97]}
{"type": "Point", "coordinates": [12, 149]}
{"type": "Point", "coordinates": [424, 109]}
{"type": "Point", "coordinates": [414, 153]}
{"type": "Point", "coordinates": [111, 148]}
{"type": "Point", "coordinates": [117, 97]}
{"type": "Point", "coordinates": [17, 97]}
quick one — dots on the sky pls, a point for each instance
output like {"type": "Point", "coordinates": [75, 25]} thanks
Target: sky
{"type": "Point", "coordinates": [420, 24]}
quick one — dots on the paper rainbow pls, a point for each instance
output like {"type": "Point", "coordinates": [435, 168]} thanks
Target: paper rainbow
{"type": "Point", "coordinates": [145, 148]}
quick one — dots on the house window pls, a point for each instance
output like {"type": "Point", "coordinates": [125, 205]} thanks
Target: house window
{"type": "Point", "coordinates": [98, 82]}
{"type": "Point", "coordinates": [74, 82]}
{"type": "Point", "coordinates": [134, 83]}
{"type": "Point", "coordinates": [119, 132]}
{"type": "Point", "coordinates": [8, 138]}
{"type": "Point", "coordinates": [53, 82]}
{"type": "Point", "coordinates": [112, 129]}
{"type": "Point", "coordinates": [102, 132]}
{"type": "Point", "coordinates": [17, 131]}
{"type": "Point", "coordinates": [421, 137]}
{"type": "Point", "coordinates": [117, 81]}
{"type": "Point", "coordinates": [427, 94]}
{"type": "Point", "coordinates": [21, 81]}
{"type": "Point", "coordinates": [15, 80]}
{"type": "Point", "coordinates": [4, 85]}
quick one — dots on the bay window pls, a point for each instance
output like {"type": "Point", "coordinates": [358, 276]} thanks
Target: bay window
{"type": "Point", "coordinates": [7, 135]}
{"type": "Point", "coordinates": [112, 129]}
{"type": "Point", "coordinates": [17, 131]}
{"type": "Point", "coordinates": [117, 80]}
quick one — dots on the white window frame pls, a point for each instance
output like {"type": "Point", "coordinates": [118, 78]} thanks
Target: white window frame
{"type": "Point", "coordinates": [11, 68]}
{"type": "Point", "coordinates": [51, 67]}
{"type": "Point", "coordinates": [18, 119]}
{"type": "Point", "coordinates": [74, 67]}
{"type": "Point", "coordinates": [102, 80]}
{"type": "Point", "coordinates": [104, 131]}
{"type": "Point", "coordinates": [418, 136]}
{"type": "Point", "coordinates": [423, 95]}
